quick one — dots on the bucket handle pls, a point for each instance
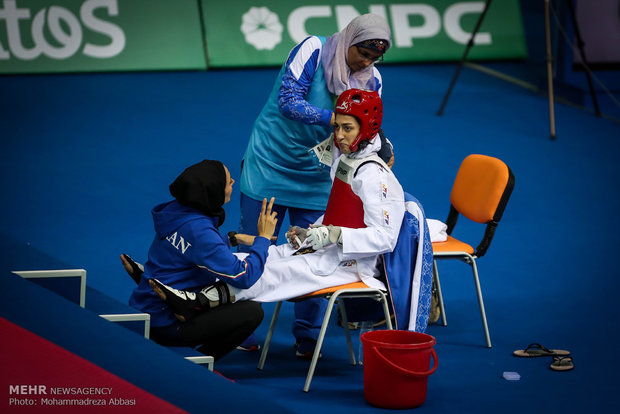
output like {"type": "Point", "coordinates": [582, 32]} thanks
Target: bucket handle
{"type": "Point", "coordinates": [406, 371]}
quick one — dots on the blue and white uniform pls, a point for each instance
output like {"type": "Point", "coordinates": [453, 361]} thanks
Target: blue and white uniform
{"type": "Point", "coordinates": [295, 118]}
{"type": "Point", "coordinates": [409, 270]}
{"type": "Point", "coordinates": [188, 253]}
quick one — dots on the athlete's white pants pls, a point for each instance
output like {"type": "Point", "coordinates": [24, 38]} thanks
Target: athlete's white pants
{"type": "Point", "coordinates": [286, 277]}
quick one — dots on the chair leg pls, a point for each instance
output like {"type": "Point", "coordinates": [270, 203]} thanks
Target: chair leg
{"type": "Point", "coordinates": [386, 311]}
{"type": "Point", "coordinates": [345, 322]}
{"type": "Point", "coordinates": [272, 327]}
{"type": "Point", "coordinates": [442, 310]}
{"type": "Point", "coordinates": [319, 341]}
{"type": "Point", "coordinates": [483, 314]}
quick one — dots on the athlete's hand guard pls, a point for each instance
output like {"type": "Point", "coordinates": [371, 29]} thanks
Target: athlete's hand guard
{"type": "Point", "coordinates": [322, 236]}
{"type": "Point", "coordinates": [295, 236]}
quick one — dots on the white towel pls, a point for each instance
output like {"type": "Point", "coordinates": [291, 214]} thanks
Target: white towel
{"type": "Point", "coordinates": [437, 229]}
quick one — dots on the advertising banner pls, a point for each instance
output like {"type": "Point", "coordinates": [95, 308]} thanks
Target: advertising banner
{"type": "Point", "coordinates": [100, 35]}
{"type": "Point", "coordinates": [250, 32]}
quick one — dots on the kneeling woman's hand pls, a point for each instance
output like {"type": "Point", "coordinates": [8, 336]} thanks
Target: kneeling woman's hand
{"type": "Point", "coordinates": [267, 219]}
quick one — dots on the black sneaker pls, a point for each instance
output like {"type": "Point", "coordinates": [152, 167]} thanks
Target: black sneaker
{"type": "Point", "coordinates": [249, 345]}
{"type": "Point", "coordinates": [304, 348]}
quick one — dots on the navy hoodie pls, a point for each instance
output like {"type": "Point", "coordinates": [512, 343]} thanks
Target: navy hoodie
{"type": "Point", "coordinates": [188, 253]}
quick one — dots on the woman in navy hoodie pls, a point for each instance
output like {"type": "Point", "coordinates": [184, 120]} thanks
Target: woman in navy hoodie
{"type": "Point", "coordinates": [188, 253]}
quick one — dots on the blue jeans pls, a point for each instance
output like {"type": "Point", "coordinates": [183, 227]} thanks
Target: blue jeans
{"type": "Point", "coordinates": [308, 313]}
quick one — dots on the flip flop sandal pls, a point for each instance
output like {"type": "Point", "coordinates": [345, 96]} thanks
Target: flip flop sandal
{"type": "Point", "coordinates": [562, 363]}
{"type": "Point", "coordinates": [537, 350]}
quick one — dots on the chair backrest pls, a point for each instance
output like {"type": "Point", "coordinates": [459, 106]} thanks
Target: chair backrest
{"type": "Point", "coordinates": [480, 192]}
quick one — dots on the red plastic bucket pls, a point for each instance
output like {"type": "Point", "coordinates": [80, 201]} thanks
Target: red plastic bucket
{"type": "Point", "coordinates": [396, 367]}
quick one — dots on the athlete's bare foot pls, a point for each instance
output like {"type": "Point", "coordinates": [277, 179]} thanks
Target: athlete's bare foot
{"type": "Point", "coordinates": [132, 268]}
{"type": "Point", "coordinates": [162, 295]}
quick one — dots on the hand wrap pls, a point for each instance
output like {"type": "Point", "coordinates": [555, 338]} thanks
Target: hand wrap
{"type": "Point", "coordinates": [295, 236]}
{"type": "Point", "coordinates": [322, 236]}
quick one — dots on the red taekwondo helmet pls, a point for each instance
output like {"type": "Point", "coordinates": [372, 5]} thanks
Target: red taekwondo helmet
{"type": "Point", "coordinates": [367, 107]}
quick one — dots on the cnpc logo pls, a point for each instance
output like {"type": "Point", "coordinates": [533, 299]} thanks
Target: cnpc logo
{"type": "Point", "coordinates": [57, 19]}
{"type": "Point", "coordinates": [262, 27]}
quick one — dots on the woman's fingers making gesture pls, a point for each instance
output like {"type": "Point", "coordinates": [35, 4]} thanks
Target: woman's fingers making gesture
{"type": "Point", "coordinates": [267, 219]}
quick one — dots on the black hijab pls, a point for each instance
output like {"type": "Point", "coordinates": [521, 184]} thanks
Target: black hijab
{"type": "Point", "coordinates": [202, 186]}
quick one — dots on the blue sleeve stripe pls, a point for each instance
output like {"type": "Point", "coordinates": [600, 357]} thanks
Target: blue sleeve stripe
{"type": "Point", "coordinates": [304, 59]}
{"type": "Point", "coordinates": [301, 74]}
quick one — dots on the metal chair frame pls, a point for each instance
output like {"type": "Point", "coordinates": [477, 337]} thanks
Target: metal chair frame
{"type": "Point", "coordinates": [342, 292]}
{"type": "Point", "coordinates": [470, 260]}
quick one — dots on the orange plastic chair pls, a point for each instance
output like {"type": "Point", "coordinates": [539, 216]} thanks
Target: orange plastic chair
{"type": "Point", "coordinates": [351, 290]}
{"type": "Point", "coordinates": [480, 192]}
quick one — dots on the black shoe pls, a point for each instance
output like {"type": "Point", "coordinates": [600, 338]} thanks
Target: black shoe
{"type": "Point", "coordinates": [304, 348]}
{"type": "Point", "coordinates": [249, 345]}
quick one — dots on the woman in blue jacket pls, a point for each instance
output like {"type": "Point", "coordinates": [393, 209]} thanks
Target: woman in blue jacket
{"type": "Point", "coordinates": [188, 252]}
